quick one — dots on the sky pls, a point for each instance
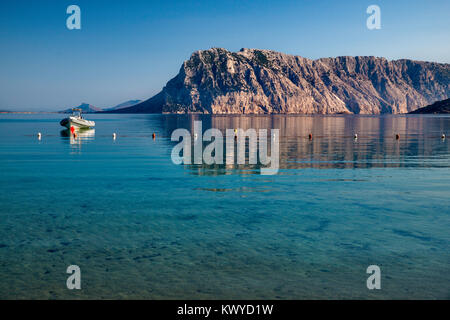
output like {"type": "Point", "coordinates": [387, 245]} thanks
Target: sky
{"type": "Point", "coordinates": [130, 49]}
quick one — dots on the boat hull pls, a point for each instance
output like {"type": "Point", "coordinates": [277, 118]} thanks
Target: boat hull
{"type": "Point", "coordinates": [77, 123]}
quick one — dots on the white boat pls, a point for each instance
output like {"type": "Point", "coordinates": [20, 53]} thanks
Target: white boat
{"type": "Point", "coordinates": [76, 121]}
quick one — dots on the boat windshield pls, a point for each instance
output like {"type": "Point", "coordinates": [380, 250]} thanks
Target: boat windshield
{"type": "Point", "coordinates": [77, 113]}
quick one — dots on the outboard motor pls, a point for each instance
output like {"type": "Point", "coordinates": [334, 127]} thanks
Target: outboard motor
{"type": "Point", "coordinates": [64, 122]}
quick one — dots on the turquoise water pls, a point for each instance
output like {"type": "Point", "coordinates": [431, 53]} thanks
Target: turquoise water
{"type": "Point", "coordinates": [141, 227]}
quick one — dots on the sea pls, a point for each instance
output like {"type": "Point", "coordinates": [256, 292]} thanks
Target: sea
{"type": "Point", "coordinates": [139, 226]}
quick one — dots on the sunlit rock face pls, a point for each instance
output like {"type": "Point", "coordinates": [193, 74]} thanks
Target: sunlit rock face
{"type": "Point", "coordinates": [252, 81]}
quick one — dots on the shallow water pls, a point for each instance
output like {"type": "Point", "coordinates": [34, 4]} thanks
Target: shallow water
{"type": "Point", "coordinates": [140, 226]}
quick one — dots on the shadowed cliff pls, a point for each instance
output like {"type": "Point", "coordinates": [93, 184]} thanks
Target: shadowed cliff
{"type": "Point", "coordinates": [437, 107]}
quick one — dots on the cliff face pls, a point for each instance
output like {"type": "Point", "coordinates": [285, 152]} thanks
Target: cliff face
{"type": "Point", "coordinates": [261, 81]}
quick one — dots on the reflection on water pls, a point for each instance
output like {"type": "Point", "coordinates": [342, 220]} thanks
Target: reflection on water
{"type": "Point", "coordinates": [76, 140]}
{"type": "Point", "coordinates": [333, 144]}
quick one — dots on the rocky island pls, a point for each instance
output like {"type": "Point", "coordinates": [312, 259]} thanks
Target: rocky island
{"type": "Point", "coordinates": [252, 81]}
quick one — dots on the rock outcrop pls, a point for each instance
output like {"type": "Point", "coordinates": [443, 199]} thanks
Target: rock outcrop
{"type": "Point", "coordinates": [252, 81]}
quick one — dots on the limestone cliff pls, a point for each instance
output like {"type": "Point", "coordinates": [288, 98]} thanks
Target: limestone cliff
{"type": "Point", "coordinates": [261, 81]}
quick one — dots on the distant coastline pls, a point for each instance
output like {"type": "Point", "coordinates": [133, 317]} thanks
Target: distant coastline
{"type": "Point", "coordinates": [89, 108]}
{"type": "Point", "coordinates": [27, 112]}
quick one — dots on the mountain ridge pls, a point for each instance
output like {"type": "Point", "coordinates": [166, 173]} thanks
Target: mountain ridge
{"type": "Point", "coordinates": [85, 108]}
{"type": "Point", "coordinates": [89, 108]}
{"type": "Point", "coordinates": [254, 81]}
{"type": "Point", "coordinates": [122, 105]}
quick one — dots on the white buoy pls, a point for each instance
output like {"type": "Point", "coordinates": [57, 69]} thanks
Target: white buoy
{"type": "Point", "coordinates": [443, 136]}
{"type": "Point", "coordinates": [39, 135]}
{"type": "Point", "coordinates": [114, 136]}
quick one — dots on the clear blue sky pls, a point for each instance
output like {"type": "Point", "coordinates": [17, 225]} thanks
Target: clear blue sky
{"type": "Point", "coordinates": [130, 49]}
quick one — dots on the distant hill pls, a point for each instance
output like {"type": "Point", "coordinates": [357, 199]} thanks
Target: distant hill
{"type": "Point", "coordinates": [437, 107]}
{"type": "Point", "coordinates": [125, 104]}
{"type": "Point", "coordinates": [85, 108]}
{"type": "Point", "coordinates": [252, 81]}
{"type": "Point", "coordinates": [89, 108]}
